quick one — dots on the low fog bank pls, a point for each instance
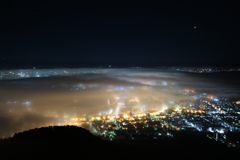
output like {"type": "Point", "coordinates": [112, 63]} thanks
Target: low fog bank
{"type": "Point", "coordinates": [35, 102]}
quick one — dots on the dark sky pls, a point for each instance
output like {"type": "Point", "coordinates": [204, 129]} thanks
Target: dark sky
{"type": "Point", "coordinates": [47, 34]}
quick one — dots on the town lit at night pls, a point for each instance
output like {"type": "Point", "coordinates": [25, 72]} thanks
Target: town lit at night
{"type": "Point", "coordinates": [113, 103]}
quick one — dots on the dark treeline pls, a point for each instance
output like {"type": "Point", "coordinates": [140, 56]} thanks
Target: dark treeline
{"type": "Point", "coordinates": [71, 142]}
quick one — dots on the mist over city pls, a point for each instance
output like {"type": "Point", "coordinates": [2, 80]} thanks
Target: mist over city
{"type": "Point", "coordinates": [33, 98]}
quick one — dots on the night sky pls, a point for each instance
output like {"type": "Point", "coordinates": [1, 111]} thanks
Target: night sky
{"type": "Point", "coordinates": [52, 34]}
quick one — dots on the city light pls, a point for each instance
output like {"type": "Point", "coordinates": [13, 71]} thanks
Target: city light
{"type": "Point", "coordinates": [112, 106]}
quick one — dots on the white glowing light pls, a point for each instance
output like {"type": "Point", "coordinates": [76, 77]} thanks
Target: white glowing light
{"type": "Point", "coordinates": [163, 109]}
{"type": "Point", "coordinates": [27, 103]}
{"type": "Point", "coordinates": [216, 99]}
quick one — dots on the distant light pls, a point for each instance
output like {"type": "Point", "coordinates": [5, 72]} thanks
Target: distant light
{"type": "Point", "coordinates": [221, 131]}
{"type": "Point", "coordinates": [171, 102]}
{"type": "Point", "coordinates": [163, 109]}
{"type": "Point", "coordinates": [216, 99]}
{"type": "Point", "coordinates": [237, 102]}
{"type": "Point", "coordinates": [22, 74]}
{"type": "Point", "coordinates": [110, 111]}
{"type": "Point", "coordinates": [27, 103]}
{"type": "Point", "coordinates": [164, 83]}
{"type": "Point", "coordinates": [210, 129]}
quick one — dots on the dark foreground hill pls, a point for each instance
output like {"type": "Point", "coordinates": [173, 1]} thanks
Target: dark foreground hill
{"type": "Point", "coordinates": [71, 142]}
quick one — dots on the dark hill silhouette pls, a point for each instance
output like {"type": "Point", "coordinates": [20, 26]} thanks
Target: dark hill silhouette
{"type": "Point", "coordinates": [61, 142]}
{"type": "Point", "coordinates": [71, 142]}
{"type": "Point", "coordinates": [55, 134]}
